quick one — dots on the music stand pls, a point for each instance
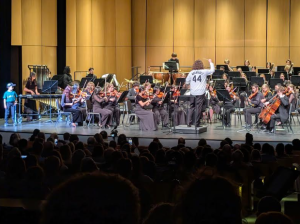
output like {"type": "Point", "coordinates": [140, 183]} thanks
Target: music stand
{"type": "Point", "coordinates": [296, 70]}
{"type": "Point", "coordinates": [84, 80]}
{"type": "Point", "coordinates": [180, 81]}
{"type": "Point", "coordinates": [122, 97]}
{"type": "Point", "coordinates": [50, 87]}
{"type": "Point", "coordinates": [295, 79]}
{"type": "Point", "coordinates": [218, 72]}
{"type": "Point", "coordinates": [243, 67]}
{"type": "Point", "coordinates": [250, 74]}
{"type": "Point", "coordinates": [268, 77]}
{"type": "Point", "coordinates": [277, 74]}
{"type": "Point", "coordinates": [223, 95]}
{"type": "Point", "coordinates": [183, 91]}
{"type": "Point", "coordinates": [274, 82]}
{"type": "Point", "coordinates": [144, 78]}
{"type": "Point", "coordinates": [216, 77]}
{"type": "Point", "coordinates": [234, 74]}
{"type": "Point", "coordinates": [239, 82]}
{"type": "Point", "coordinates": [99, 82]}
{"type": "Point", "coordinates": [280, 68]}
{"type": "Point", "coordinates": [258, 80]}
{"type": "Point", "coordinates": [225, 66]}
{"type": "Point", "coordinates": [263, 70]}
{"type": "Point", "coordinates": [172, 66]}
{"type": "Point", "coordinates": [219, 83]}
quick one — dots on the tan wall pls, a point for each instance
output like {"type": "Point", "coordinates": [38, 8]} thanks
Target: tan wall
{"type": "Point", "coordinates": [257, 30]}
{"type": "Point", "coordinates": [99, 36]}
{"type": "Point", "coordinates": [34, 27]}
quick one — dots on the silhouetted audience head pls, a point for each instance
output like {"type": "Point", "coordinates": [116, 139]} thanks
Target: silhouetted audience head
{"type": "Point", "coordinates": [79, 145]}
{"type": "Point", "coordinates": [99, 139]}
{"type": "Point", "coordinates": [274, 218]}
{"type": "Point", "coordinates": [48, 149]}
{"type": "Point", "coordinates": [249, 139]}
{"type": "Point", "coordinates": [91, 141]}
{"type": "Point", "coordinates": [14, 139]}
{"type": "Point", "coordinates": [98, 151]}
{"type": "Point", "coordinates": [88, 165]}
{"type": "Point", "coordinates": [153, 148]}
{"type": "Point", "coordinates": [257, 146]}
{"type": "Point", "coordinates": [66, 153]}
{"type": "Point", "coordinates": [34, 134]}
{"type": "Point", "coordinates": [202, 142]}
{"type": "Point", "coordinates": [52, 165]}
{"type": "Point", "coordinates": [255, 156]}
{"type": "Point", "coordinates": [66, 136]}
{"type": "Point", "coordinates": [103, 134]}
{"type": "Point", "coordinates": [160, 214]}
{"type": "Point", "coordinates": [211, 160]}
{"type": "Point", "coordinates": [96, 198]}
{"type": "Point", "coordinates": [112, 144]}
{"type": "Point", "coordinates": [280, 149]}
{"type": "Point", "coordinates": [181, 141]}
{"type": "Point", "coordinates": [30, 161]}
{"type": "Point", "coordinates": [296, 144]}
{"type": "Point", "coordinates": [268, 204]}
{"type": "Point", "coordinates": [211, 200]}
{"type": "Point", "coordinates": [288, 149]}
{"type": "Point", "coordinates": [121, 138]}
{"type": "Point", "coordinates": [74, 138]}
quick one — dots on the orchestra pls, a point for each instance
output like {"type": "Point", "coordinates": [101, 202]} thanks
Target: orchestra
{"type": "Point", "coordinates": [152, 109]}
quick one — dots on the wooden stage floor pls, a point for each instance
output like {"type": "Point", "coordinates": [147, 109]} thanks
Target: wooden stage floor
{"type": "Point", "coordinates": [214, 131]}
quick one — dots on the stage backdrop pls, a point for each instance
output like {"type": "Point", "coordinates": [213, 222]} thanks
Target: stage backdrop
{"type": "Point", "coordinates": [114, 35]}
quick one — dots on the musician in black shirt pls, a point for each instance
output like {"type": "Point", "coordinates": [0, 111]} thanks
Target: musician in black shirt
{"type": "Point", "coordinates": [31, 89]}
{"type": "Point", "coordinates": [91, 74]}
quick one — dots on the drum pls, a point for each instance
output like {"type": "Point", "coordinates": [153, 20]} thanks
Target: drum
{"type": "Point", "coordinates": [163, 76]}
{"type": "Point", "coordinates": [179, 75]}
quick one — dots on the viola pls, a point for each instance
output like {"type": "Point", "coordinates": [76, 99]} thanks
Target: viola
{"type": "Point", "coordinates": [213, 93]}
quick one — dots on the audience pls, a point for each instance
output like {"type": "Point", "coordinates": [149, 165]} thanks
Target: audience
{"type": "Point", "coordinates": [117, 182]}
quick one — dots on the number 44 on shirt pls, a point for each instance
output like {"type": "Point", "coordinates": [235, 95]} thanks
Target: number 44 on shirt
{"type": "Point", "coordinates": [195, 79]}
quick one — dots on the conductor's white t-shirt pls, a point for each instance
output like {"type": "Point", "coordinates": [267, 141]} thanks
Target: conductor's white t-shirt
{"type": "Point", "coordinates": [197, 80]}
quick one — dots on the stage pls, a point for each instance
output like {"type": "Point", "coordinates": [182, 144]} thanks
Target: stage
{"type": "Point", "coordinates": [211, 132]}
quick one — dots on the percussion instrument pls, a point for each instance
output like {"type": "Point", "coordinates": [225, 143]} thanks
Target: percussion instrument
{"type": "Point", "coordinates": [179, 75]}
{"type": "Point", "coordinates": [164, 76]}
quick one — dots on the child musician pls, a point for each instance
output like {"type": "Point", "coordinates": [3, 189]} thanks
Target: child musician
{"type": "Point", "coordinates": [10, 101]}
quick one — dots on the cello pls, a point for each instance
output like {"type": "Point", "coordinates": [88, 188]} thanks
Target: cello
{"type": "Point", "coordinates": [270, 109]}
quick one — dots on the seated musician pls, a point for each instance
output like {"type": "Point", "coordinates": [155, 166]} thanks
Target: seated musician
{"type": "Point", "coordinates": [213, 103]}
{"type": "Point", "coordinates": [31, 88]}
{"type": "Point", "coordinates": [177, 112]}
{"type": "Point", "coordinates": [229, 106]}
{"type": "Point", "coordinates": [291, 94]}
{"type": "Point", "coordinates": [111, 103]}
{"type": "Point", "coordinates": [67, 78]}
{"type": "Point", "coordinates": [282, 111]}
{"type": "Point", "coordinates": [148, 120]}
{"type": "Point", "coordinates": [90, 86]}
{"type": "Point", "coordinates": [227, 62]}
{"type": "Point", "coordinates": [255, 101]}
{"type": "Point", "coordinates": [91, 74]}
{"type": "Point", "coordinates": [266, 93]}
{"type": "Point", "coordinates": [69, 103]}
{"type": "Point", "coordinates": [79, 104]}
{"type": "Point", "coordinates": [158, 108]}
{"type": "Point", "coordinates": [285, 82]}
{"type": "Point", "coordinates": [133, 91]}
{"type": "Point", "coordinates": [98, 99]}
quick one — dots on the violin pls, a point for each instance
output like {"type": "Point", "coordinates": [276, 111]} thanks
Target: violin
{"type": "Point", "coordinates": [266, 93]}
{"type": "Point", "coordinates": [253, 95]}
{"type": "Point", "coordinates": [176, 93]}
{"type": "Point", "coordinates": [213, 93]}
{"type": "Point", "coordinates": [160, 95]}
{"type": "Point", "coordinates": [232, 93]}
{"type": "Point", "coordinates": [289, 93]}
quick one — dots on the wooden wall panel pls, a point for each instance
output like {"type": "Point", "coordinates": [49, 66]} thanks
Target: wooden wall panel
{"type": "Point", "coordinates": [31, 55]}
{"type": "Point", "coordinates": [110, 60]}
{"type": "Point", "coordinates": [256, 55]}
{"type": "Point", "coordinates": [49, 23]}
{"type": "Point", "coordinates": [234, 54]}
{"type": "Point", "coordinates": [295, 55]}
{"type": "Point", "coordinates": [16, 22]}
{"type": "Point", "coordinates": [278, 55]}
{"type": "Point", "coordinates": [71, 23]}
{"type": "Point", "coordinates": [295, 23]}
{"type": "Point", "coordinates": [84, 58]}
{"type": "Point", "coordinates": [83, 23]}
{"type": "Point", "coordinates": [138, 23]}
{"type": "Point", "coordinates": [123, 23]}
{"type": "Point", "coordinates": [230, 23]}
{"type": "Point", "coordinates": [186, 55]}
{"type": "Point", "coordinates": [98, 22]}
{"type": "Point", "coordinates": [110, 23]}
{"type": "Point", "coordinates": [205, 19]}
{"type": "Point", "coordinates": [160, 23]}
{"type": "Point", "coordinates": [49, 58]}
{"type": "Point", "coordinates": [255, 23]}
{"type": "Point", "coordinates": [184, 23]}
{"type": "Point", "coordinates": [138, 58]}
{"type": "Point", "coordinates": [70, 59]}
{"type": "Point", "coordinates": [123, 65]}
{"type": "Point", "coordinates": [205, 52]}
{"type": "Point", "coordinates": [31, 22]}
{"type": "Point", "coordinates": [99, 60]}
{"type": "Point", "coordinates": [157, 55]}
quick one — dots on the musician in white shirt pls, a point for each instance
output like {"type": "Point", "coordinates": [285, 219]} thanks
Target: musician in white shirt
{"type": "Point", "coordinates": [197, 81]}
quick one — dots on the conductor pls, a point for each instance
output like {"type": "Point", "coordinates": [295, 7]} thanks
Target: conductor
{"type": "Point", "coordinates": [196, 79]}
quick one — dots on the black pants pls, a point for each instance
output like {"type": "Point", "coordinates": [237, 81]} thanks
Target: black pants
{"type": "Point", "coordinates": [274, 117]}
{"type": "Point", "coordinates": [30, 108]}
{"type": "Point", "coordinates": [116, 113]}
{"type": "Point", "coordinates": [228, 109]}
{"type": "Point", "coordinates": [76, 113]}
{"type": "Point", "coordinates": [248, 112]}
{"type": "Point", "coordinates": [196, 101]}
